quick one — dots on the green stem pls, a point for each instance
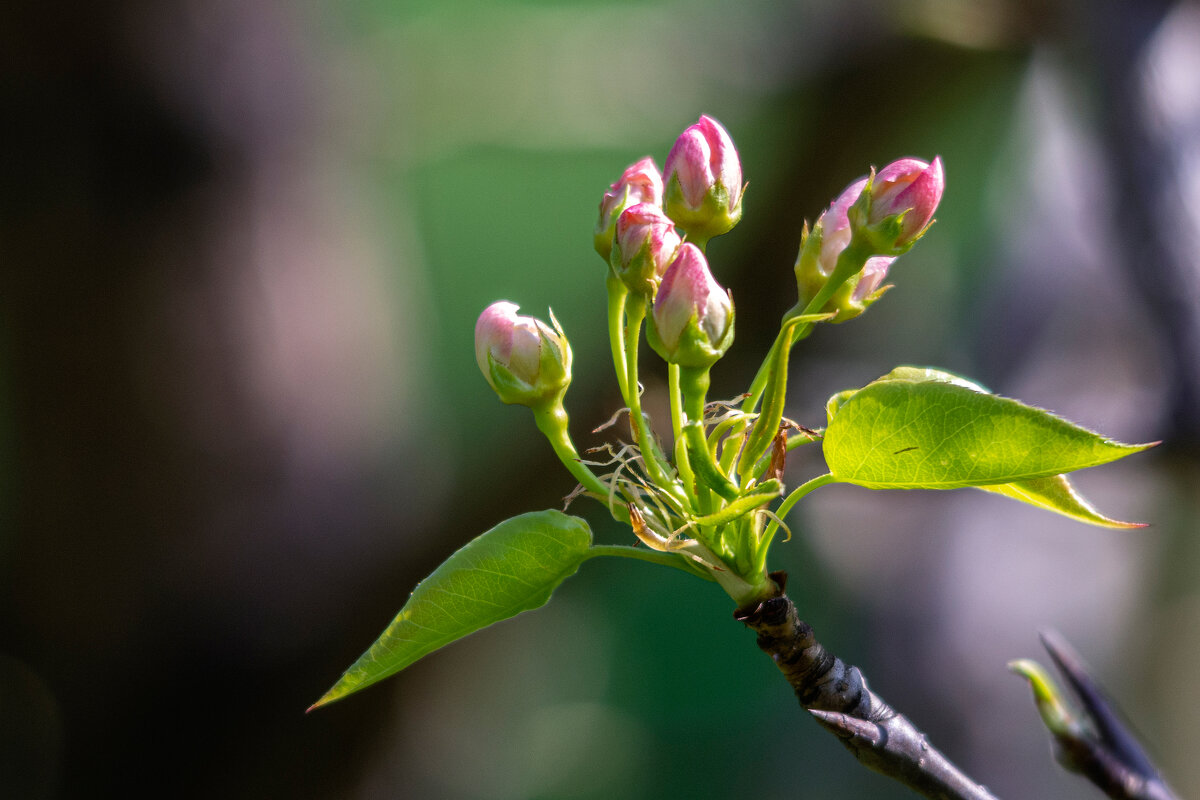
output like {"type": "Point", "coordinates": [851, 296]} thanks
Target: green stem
{"type": "Point", "coordinates": [740, 506]}
{"type": "Point", "coordinates": [784, 508]}
{"type": "Point", "coordinates": [552, 422]}
{"type": "Point", "coordinates": [773, 374]}
{"type": "Point", "coordinates": [656, 467]}
{"type": "Point", "coordinates": [725, 443]}
{"type": "Point", "coordinates": [693, 383]}
{"type": "Point", "coordinates": [674, 560]}
{"type": "Point", "coordinates": [706, 468]}
{"type": "Point", "coordinates": [682, 464]}
{"type": "Point", "coordinates": [765, 427]}
{"type": "Point", "coordinates": [760, 378]}
{"type": "Point", "coordinates": [850, 262]}
{"type": "Point", "coordinates": [617, 293]}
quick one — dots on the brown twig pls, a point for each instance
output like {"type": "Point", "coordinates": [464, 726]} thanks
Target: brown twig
{"type": "Point", "coordinates": [1106, 752]}
{"type": "Point", "coordinates": [837, 695]}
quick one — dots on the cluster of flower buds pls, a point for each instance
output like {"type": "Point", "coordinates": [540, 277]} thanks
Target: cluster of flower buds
{"type": "Point", "coordinates": [640, 183]}
{"type": "Point", "coordinates": [699, 194]}
{"type": "Point", "coordinates": [638, 231]}
{"type": "Point", "coordinates": [888, 211]}
{"type": "Point", "coordinates": [525, 360]}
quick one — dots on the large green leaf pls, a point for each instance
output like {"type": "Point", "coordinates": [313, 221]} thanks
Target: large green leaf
{"type": "Point", "coordinates": [917, 428]}
{"type": "Point", "coordinates": [511, 568]}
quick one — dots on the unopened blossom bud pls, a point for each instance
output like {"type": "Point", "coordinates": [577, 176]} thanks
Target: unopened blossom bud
{"type": "Point", "coordinates": [888, 212]}
{"type": "Point", "coordinates": [644, 246]}
{"type": "Point", "coordinates": [692, 321]}
{"type": "Point", "coordinates": [702, 180]}
{"type": "Point", "coordinates": [858, 293]}
{"type": "Point", "coordinates": [525, 360]}
{"type": "Point", "coordinates": [872, 276]}
{"type": "Point", "coordinates": [902, 198]}
{"type": "Point", "coordinates": [834, 225]}
{"type": "Point", "coordinates": [640, 183]}
{"type": "Point", "coordinates": [819, 253]}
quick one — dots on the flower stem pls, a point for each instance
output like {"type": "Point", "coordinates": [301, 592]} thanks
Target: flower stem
{"type": "Point", "coordinates": [674, 560]}
{"type": "Point", "coordinates": [656, 467]}
{"type": "Point", "coordinates": [617, 293]}
{"type": "Point", "coordinates": [850, 262]}
{"type": "Point", "coordinates": [682, 464]}
{"type": "Point", "coordinates": [782, 511]}
{"type": "Point", "coordinates": [552, 422]}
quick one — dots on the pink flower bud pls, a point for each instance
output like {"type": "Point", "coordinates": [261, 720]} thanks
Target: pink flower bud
{"type": "Point", "coordinates": [702, 177]}
{"type": "Point", "coordinates": [907, 187]}
{"type": "Point", "coordinates": [835, 226]}
{"type": "Point", "coordinates": [872, 276]}
{"type": "Point", "coordinates": [644, 246]}
{"type": "Point", "coordinates": [692, 319]}
{"type": "Point", "coordinates": [819, 255]}
{"type": "Point", "coordinates": [524, 359]}
{"type": "Point", "coordinates": [640, 183]}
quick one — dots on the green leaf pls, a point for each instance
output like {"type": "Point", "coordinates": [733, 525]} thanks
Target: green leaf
{"type": "Point", "coordinates": [1057, 494]}
{"type": "Point", "coordinates": [924, 429]}
{"type": "Point", "coordinates": [511, 568]}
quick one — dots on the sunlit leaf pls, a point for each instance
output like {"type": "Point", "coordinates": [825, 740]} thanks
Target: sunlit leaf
{"type": "Point", "coordinates": [923, 429]}
{"type": "Point", "coordinates": [1057, 494]}
{"type": "Point", "coordinates": [511, 568]}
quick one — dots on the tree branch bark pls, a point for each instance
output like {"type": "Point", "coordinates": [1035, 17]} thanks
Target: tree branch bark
{"type": "Point", "coordinates": [1107, 753]}
{"type": "Point", "coordinates": [838, 696]}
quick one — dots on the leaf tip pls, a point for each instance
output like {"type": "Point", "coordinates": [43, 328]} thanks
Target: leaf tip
{"type": "Point", "coordinates": [1116, 524]}
{"type": "Point", "coordinates": [343, 688]}
{"type": "Point", "coordinates": [325, 700]}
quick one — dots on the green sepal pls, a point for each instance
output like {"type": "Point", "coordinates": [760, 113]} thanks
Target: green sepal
{"type": "Point", "coordinates": [809, 278]}
{"type": "Point", "coordinates": [511, 568]}
{"type": "Point", "coordinates": [694, 349]}
{"type": "Point", "coordinates": [713, 218]}
{"type": "Point", "coordinates": [886, 237]}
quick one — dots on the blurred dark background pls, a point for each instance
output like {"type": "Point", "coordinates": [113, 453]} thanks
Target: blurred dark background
{"type": "Point", "coordinates": [242, 249]}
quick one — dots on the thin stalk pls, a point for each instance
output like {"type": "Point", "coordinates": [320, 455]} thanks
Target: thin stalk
{"type": "Point", "coordinates": [693, 384]}
{"type": "Point", "coordinates": [682, 464]}
{"type": "Point", "coordinates": [658, 471]}
{"type": "Point", "coordinates": [552, 422]}
{"type": "Point", "coordinates": [617, 293]}
{"type": "Point", "coordinates": [850, 262]}
{"type": "Point", "coordinates": [796, 326]}
{"type": "Point", "coordinates": [784, 508]}
{"type": "Point", "coordinates": [732, 445]}
{"type": "Point", "coordinates": [673, 560]}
